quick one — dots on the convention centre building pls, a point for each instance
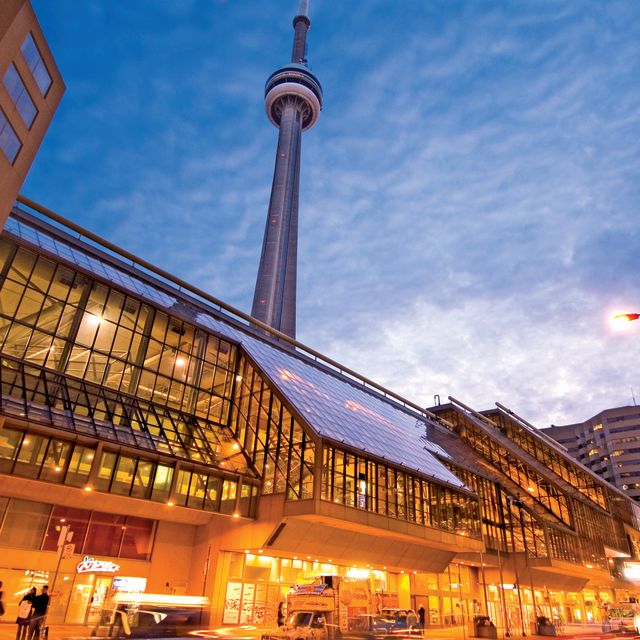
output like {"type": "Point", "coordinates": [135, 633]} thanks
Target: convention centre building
{"type": "Point", "coordinates": [154, 439]}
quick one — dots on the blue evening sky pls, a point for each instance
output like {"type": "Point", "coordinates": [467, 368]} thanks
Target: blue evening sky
{"type": "Point", "coordinates": [470, 195]}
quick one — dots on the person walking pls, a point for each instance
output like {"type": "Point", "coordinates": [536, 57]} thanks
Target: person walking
{"type": "Point", "coordinates": [281, 614]}
{"type": "Point", "coordinates": [40, 606]}
{"type": "Point", "coordinates": [25, 609]}
{"type": "Point", "coordinates": [421, 618]}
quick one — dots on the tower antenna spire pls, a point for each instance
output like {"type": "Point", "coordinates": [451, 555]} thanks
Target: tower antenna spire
{"type": "Point", "coordinates": [292, 100]}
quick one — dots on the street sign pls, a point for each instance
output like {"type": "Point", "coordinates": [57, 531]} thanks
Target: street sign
{"type": "Point", "coordinates": [67, 551]}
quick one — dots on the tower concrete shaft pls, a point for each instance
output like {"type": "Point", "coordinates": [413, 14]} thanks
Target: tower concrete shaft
{"type": "Point", "coordinates": [293, 100]}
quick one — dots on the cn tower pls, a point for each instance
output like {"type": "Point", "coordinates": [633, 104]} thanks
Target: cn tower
{"type": "Point", "coordinates": [293, 100]}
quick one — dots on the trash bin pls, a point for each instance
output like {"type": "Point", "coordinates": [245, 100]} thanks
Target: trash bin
{"type": "Point", "coordinates": [544, 627]}
{"type": "Point", "coordinates": [482, 627]}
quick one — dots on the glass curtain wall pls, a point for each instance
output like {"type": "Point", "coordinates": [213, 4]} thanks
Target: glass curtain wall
{"type": "Point", "coordinates": [61, 320]}
{"type": "Point", "coordinates": [361, 483]}
{"type": "Point", "coordinates": [275, 441]}
{"type": "Point", "coordinates": [552, 459]}
{"type": "Point", "coordinates": [509, 526]}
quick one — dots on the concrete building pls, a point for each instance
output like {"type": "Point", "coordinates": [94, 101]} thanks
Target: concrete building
{"type": "Point", "coordinates": [608, 444]}
{"type": "Point", "coordinates": [193, 449]}
{"type": "Point", "coordinates": [30, 92]}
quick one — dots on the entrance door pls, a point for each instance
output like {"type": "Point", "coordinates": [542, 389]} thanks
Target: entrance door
{"type": "Point", "coordinates": [99, 597]}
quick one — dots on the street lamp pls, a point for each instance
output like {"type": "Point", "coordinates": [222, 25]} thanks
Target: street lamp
{"type": "Point", "coordinates": [621, 320]}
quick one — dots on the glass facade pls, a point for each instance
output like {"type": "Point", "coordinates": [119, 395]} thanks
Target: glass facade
{"type": "Point", "coordinates": [32, 525]}
{"type": "Point", "coordinates": [569, 529]}
{"type": "Point", "coordinates": [548, 455]}
{"type": "Point", "coordinates": [358, 482]}
{"type": "Point", "coordinates": [55, 320]}
{"type": "Point", "coordinates": [279, 447]}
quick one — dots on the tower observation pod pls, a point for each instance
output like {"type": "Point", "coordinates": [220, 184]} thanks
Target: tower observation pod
{"type": "Point", "coordinates": [292, 100]}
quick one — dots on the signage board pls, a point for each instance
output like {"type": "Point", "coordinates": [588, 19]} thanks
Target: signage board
{"type": "Point", "coordinates": [91, 565]}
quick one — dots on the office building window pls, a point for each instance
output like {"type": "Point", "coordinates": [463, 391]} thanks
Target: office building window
{"type": "Point", "coordinates": [36, 65]}
{"type": "Point", "coordinates": [24, 524]}
{"type": "Point", "coordinates": [20, 96]}
{"type": "Point", "coordinates": [9, 141]}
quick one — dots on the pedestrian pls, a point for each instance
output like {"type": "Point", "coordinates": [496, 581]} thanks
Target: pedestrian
{"type": "Point", "coordinates": [281, 614]}
{"type": "Point", "coordinates": [40, 606]}
{"type": "Point", "coordinates": [421, 616]}
{"type": "Point", "coordinates": [25, 609]}
{"type": "Point", "coordinates": [1, 600]}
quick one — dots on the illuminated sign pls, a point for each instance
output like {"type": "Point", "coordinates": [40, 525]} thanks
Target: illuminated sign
{"type": "Point", "coordinates": [89, 565]}
{"type": "Point", "coordinates": [509, 586]}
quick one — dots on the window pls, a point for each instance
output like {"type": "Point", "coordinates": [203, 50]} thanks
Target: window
{"type": "Point", "coordinates": [162, 483]}
{"type": "Point", "coordinates": [31, 455]}
{"type": "Point", "coordinates": [55, 461]}
{"type": "Point", "coordinates": [80, 466]}
{"type": "Point", "coordinates": [124, 476]}
{"type": "Point", "coordinates": [9, 443]}
{"type": "Point", "coordinates": [137, 538]}
{"type": "Point", "coordinates": [105, 471]}
{"type": "Point", "coordinates": [20, 96]}
{"type": "Point", "coordinates": [105, 534]}
{"type": "Point", "coordinates": [24, 524]}
{"type": "Point", "coordinates": [9, 142]}
{"type": "Point", "coordinates": [36, 65]}
{"type": "Point", "coordinates": [76, 519]}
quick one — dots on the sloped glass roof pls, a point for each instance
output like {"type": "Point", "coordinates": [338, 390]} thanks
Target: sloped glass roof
{"type": "Point", "coordinates": [332, 405]}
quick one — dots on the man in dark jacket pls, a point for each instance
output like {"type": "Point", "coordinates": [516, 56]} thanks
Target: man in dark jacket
{"type": "Point", "coordinates": [40, 606]}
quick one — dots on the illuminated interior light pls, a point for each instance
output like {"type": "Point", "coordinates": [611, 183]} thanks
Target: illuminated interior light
{"type": "Point", "coordinates": [63, 519]}
{"type": "Point", "coordinates": [93, 320]}
{"type": "Point", "coordinates": [236, 515]}
{"type": "Point", "coordinates": [236, 446]}
{"type": "Point", "coordinates": [88, 488]}
{"type": "Point", "coordinates": [260, 551]}
{"type": "Point", "coordinates": [170, 503]}
{"type": "Point", "coordinates": [180, 361]}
